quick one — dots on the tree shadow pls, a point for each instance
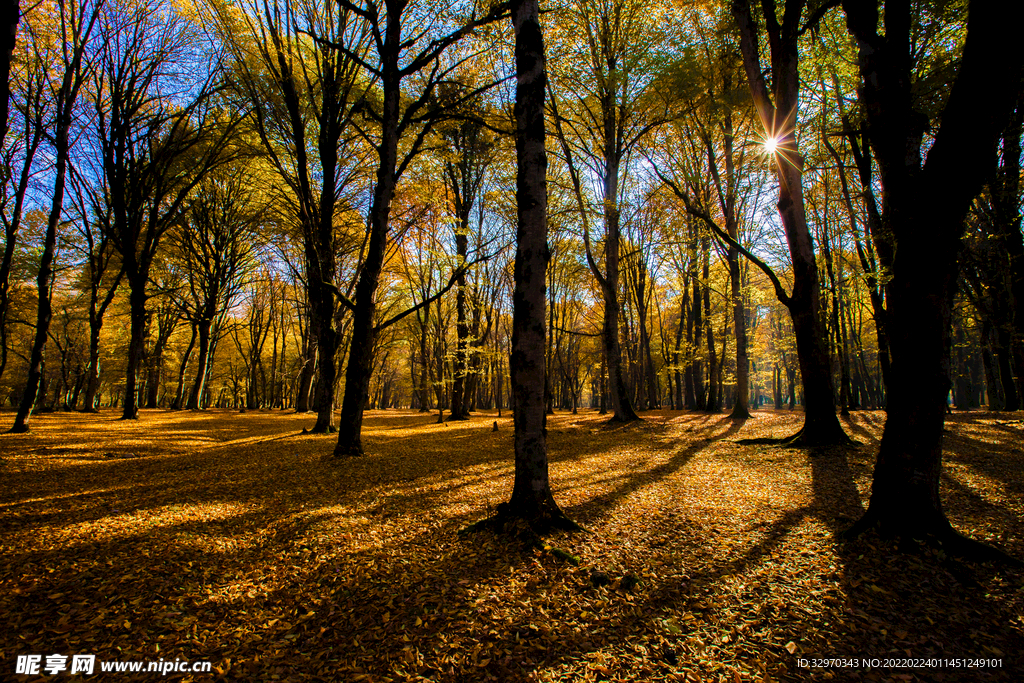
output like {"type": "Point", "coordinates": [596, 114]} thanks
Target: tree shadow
{"type": "Point", "coordinates": [850, 423]}
{"type": "Point", "coordinates": [587, 511]}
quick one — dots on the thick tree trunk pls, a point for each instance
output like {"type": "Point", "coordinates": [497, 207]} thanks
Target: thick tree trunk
{"type": "Point", "coordinates": [92, 382]}
{"type": "Point", "coordinates": [179, 394]}
{"type": "Point", "coordinates": [305, 380]}
{"type": "Point", "coordinates": [677, 355]}
{"type": "Point", "coordinates": [741, 406]}
{"type": "Point", "coordinates": [923, 209]}
{"type": "Point", "coordinates": [1006, 207]}
{"type": "Point", "coordinates": [622, 407]}
{"type": "Point", "coordinates": [618, 392]}
{"type": "Point", "coordinates": [459, 408]}
{"type": "Point", "coordinates": [821, 426]}
{"type": "Point", "coordinates": [697, 323]}
{"type": "Point", "coordinates": [12, 16]}
{"type": "Point", "coordinates": [905, 493]}
{"type": "Point", "coordinates": [154, 372]}
{"type": "Point", "coordinates": [12, 222]}
{"type": "Point", "coordinates": [327, 348]}
{"type": "Point", "coordinates": [711, 405]}
{"type": "Point", "coordinates": [424, 380]}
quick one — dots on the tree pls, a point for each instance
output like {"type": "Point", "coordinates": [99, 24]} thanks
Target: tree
{"type": "Point", "coordinates": [778, 115]}
{"type": "Point", "coordinates": [103, 270]}
{"type": "Point", "coordinates": [159, 136]}
{"type": "Point", "coordinates": [164, 317]}
{"type": "Point", "coordinates": [927, 187]}
{"type": "Point", "coordinates": [17, 169]}
{"type": "Point", "coordinates": [10, 32]}
{"type": "Point", "coordinates": [300, 91]}
{"type": "Point", "coordinates": [216, 244]}
{"type": "Point", "coordinates": [617, 109]}
{"type": "Point", "coordinates": [471, 153]}
{"type": "Point", "coordinates": [77, 22]}
{"type": "Point", "coordinates": [727, 193]}
{"type": "Point", "coordinates": [399, 58]}
{"type": "Point", "coordinates": [531, 499]}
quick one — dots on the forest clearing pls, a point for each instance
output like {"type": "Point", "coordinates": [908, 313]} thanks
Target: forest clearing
{"type": "Point", "coordinates": [228, 537]}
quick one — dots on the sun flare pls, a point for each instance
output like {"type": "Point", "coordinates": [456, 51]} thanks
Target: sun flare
{"type": "Point", "coordinates": [771, 145]}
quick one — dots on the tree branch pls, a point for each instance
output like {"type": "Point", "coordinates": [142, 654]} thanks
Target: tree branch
{"type": "Point", "coordinates": [697, 212]}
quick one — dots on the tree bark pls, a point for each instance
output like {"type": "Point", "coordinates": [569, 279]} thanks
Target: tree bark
{"type": "Point", "coordinates": [44, 279]}
{"type": "Point", "coordinates": [179, 396]}
{"type": "Point", "coordinates": [923, 208]}
{"type": "Point", "coordinates": [360, 360]}
{"type": "Point", "coordinates": [741, 406]}
{"type": "Point", "coordinates": [12, 15]}
{"type": "Point", "coordinates": [779, 118]}
{"type": "Point", "coordinates": [195, 395]}
{"type": "Point", "coordinates": [531, 499]}
{"type": "Point", "coordinates": [137, 275]}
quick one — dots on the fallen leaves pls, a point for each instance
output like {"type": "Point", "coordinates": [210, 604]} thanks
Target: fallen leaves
{"type": "Point", "coordinates": [231, 541]}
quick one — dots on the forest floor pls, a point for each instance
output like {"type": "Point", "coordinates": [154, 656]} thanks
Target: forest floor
{"type": "Point", "coordinates": [225, 537]}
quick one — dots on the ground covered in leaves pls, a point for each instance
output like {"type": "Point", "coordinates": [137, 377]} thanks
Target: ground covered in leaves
{"type": "Point", "coordinates": [227, 537]}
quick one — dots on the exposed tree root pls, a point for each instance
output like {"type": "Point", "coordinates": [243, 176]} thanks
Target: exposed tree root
{"type": "Point", "coordinates": [542, 522]}
{"type": "Point", "coordinates": [618, 421]}
{"type": "Point", "coordinates": [528, 531]}
{"type": "Point", "coordinates": [943, 537]}
{"type": "Point", "coordinates": [323, 430]}
{"type": "Point", "coordinates": [353, 451]}
{"type": "Point", "coordinates": [801, 440]}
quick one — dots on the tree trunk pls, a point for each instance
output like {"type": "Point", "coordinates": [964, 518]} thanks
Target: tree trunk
{"type": "Point", "coordinates": [360, 360]}
{"type": "Point", "coordinates": [459, 409]}
{"type": "Point", "coordinates": [531, 494]}
{"type": "Point", "coordinates": [424, 380]}
{"type": "Point", "coordinates": [923, 209]}
{"type": "Point", "coordinates": [327, 347]}
{"type": "Point", "coordinates": [821, 426]}
{"type": "Point", "coordinates": [44, 279]}
{"type": "Point", "coordinates": [92, 382]}
{"type": "Point", "coordinates": [741, 406]}
{"type": "Point", "coordinates": [305, 381]}
{"type": "Point", "coordinates": [10, 31]}
{"type": "Point", "coordinates": [199, 384]}
{"type": "Point", "coordinates": [137, 277]}
{"type": "Point", "coordinates": [711, 405]}
{"type": "Point", "coordinates": [179, 395]}
{"type": "Point", "coordinates": [622, 407]}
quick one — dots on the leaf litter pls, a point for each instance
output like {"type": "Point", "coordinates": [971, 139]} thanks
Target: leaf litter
{"type": "Point", "coordinates": [227, 538]}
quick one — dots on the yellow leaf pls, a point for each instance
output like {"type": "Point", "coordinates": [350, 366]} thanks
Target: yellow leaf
{"type": "Point", "coordinates": [791, 647]}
